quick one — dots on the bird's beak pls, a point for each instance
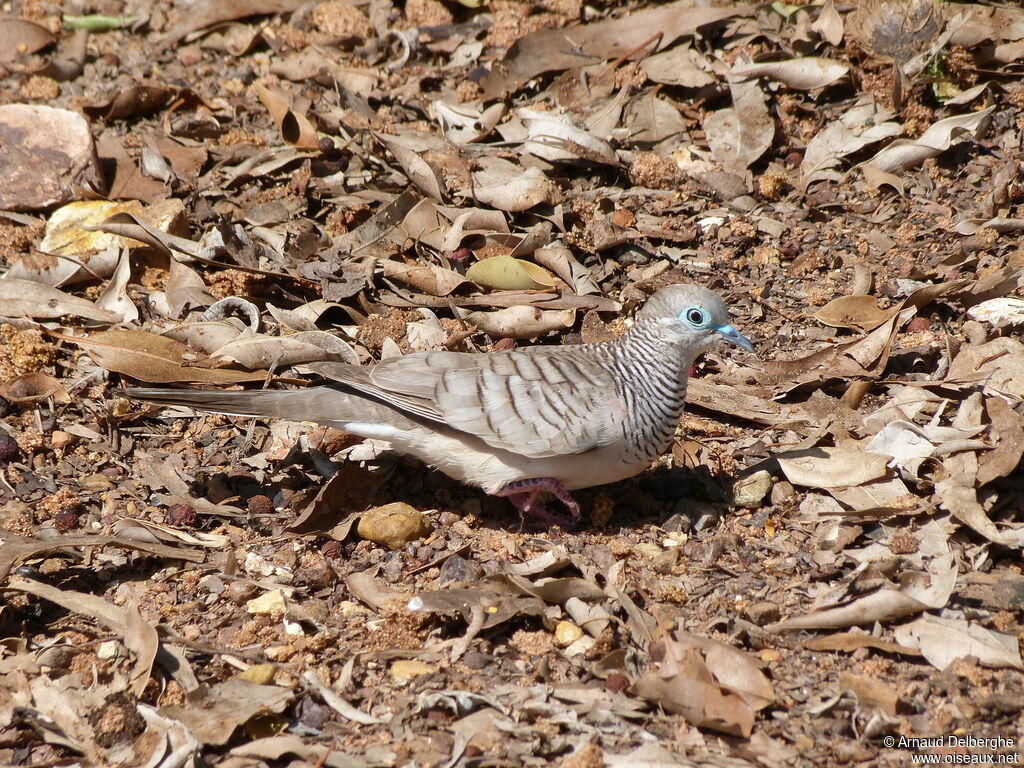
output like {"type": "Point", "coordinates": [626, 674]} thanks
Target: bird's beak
{"type": "Point", "coordinates": [735, 337]}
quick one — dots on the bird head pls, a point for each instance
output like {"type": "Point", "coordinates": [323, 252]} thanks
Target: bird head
{"type": "Point", "coordinates": [692, 316]}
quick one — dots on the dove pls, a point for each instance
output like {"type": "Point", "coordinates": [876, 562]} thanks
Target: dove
{"type": "Point", "coordinates": [519, 423]}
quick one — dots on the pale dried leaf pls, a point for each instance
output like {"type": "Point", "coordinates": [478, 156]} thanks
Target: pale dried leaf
{"type": "Point", "coordinates": [803, 74]}
{"type": "Point", "coordinates": [740, 134]}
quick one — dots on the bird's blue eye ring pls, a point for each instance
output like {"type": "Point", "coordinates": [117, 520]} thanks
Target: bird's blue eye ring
{"type": "Point", "coordinates": [695, 316]}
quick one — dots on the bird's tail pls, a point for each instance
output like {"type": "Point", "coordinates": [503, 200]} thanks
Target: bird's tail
{"type": "Point", "coordinates": [323, 405]}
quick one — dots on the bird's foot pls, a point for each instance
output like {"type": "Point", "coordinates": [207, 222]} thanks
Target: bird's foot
{"type": "Point", "coordinates": [524, 494]}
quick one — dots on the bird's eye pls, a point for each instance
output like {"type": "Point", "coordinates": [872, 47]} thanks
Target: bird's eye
{"type": "Point", "coordinates": [695, 316]}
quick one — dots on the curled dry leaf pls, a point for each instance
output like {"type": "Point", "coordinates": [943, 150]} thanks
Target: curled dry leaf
{"type": "Point", "coordinates": [277, 351]}
{"type": "Point", "coordinates": [463, 124]}
{"type": "Point", "coordinates": [555, 138]}
{"type": "Point", "coordinates": [25, 298]}
{"type": "Point", "coordinates": [998, 365]}
{"type": "Point", "coordinates": [740, 134]}
{"type": "Point", "coordinates": [154, 359]}
{"type": "Point", "coordinates": [115, 295]}
{"type": "Point", "coordinates": [829, 24]}
{"type": "Point", "coordinates": [681, 65]}
{"type": "Point", "coordinates": [684, 683]}
{"type": "Point", "coordinates": [295, 127]}
{"type": "Point", "coordinates": [827, 467]}
{"type": "Point", "coordinates": [546, 50]}
{"type": "Point", "coordinates": [561, 261]}
{"type": "Point", "coordinates": [437, 281]}
{"type": "Point", "coordinates": [522, 322]}
{"type": "Point", "coordinates": [33, 388]}
{"type": "Point", "coordinates": [425, 177]}
{"type": "Point", "coordinates": [918, 592]}
{"type": "Point", "coordinates": [859, 312]}
{"type": "Point", "coordinates": [999, 224]}
{"type": "Point", "coordinates": [863, 124]}
{"type": "Point", "coordinates": [506, 273]}
{"type": "Point", "coordinates": [508, 187]}
{"type": "Point", "coordinates": [21, 37]}
{"type": "Point", "coordinates": [945, 640]}
{"type": "Point", "coordinates": [803, 74]}
{"type": "Point", "coordinates": [940, 136]}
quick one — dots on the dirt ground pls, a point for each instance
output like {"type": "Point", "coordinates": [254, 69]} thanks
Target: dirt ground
{"type": "Point", "coordinates": [824, 570]}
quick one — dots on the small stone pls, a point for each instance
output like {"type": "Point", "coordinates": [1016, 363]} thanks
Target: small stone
{"type": "Point", "coordinates": [49, 157]}
{"type": "Point", "coordinates": [269, 602]}
{"type": "Point", "coordinates": [239, 592]}
{"type": "Point", "coordinates": [567, 633]}
{"type": "Point", "coordinates": [261, 674]}
{"type": "Point", "coordinates": [66, 520]}
{"type": "Point", "coordinates": [677, 523]}
{"type": "Point", "coordinates": [762, 613]}
{"type": "Point", "coordinates": [260, 505]}
{"type": "Point", "coordinates": [406, 669]}
{"type": "Point", "coordinates": [60, 440]}
{"type": "Point", "coordinates": [770, 655]}
{"type": "Point", "coordinates": [182, 515]}
{"type": "Point", "coordinates": [8, 448]}
{"type": "Point", "coordinates": [748, 492]}
{"type": "Point", "coordinates": [783, 493]}
{"type": "Point", "coordinates": [108, 650]}
{"type": "Point", "coordinates": [457, 569]}
{"type": "Point", "coordinates": [647, 549]}
{"type": "Point", "coordinates": [96, 483]}
{"type": "Point", "coordinates": [903, 544]}
{"type": "Point", "coordinates": [393, 525]}
{"type": "Point", "coordinates": [616, 682]}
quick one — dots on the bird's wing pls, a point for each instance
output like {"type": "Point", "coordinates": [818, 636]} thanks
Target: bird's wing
{"type": "Point", "coordinates": [537, 402]}
{"type": "Point", "coordinates": [551, 402]}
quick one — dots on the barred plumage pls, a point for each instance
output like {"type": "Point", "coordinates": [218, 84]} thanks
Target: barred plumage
{"type": "Point", "coordinates": [557, 417]}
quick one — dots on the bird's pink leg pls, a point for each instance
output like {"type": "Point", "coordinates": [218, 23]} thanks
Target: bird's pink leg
{"type": "Point", "coordinates": [523, 494]}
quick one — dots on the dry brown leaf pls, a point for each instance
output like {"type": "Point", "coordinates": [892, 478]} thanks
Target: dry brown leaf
{"type": "Point", "coordinates": [437, 281]}
{"type": "Point", "coordinates": [506, 273]}
{"type": "Point", "coordinates": [909, 153]}
{"type": "Point", "coordinates": [944, 640]}
{"type": "Point", "coordinates": [740, 134]}
{"type": "Point", "coordinates": [686, 682]}
{"type": "Point", "coordinates": [547, 50]}
{"type": "Point", "coordinates": [25, 298]}
{"type": "Point", "coordinates": [681, 65]}
{"type": "Point", "coordinates": [1009, 447]}
{"type": "Point", "coordinates": [859, 312]}
{"type": "Point", "coordinates": [827, 467]}
{"type": "Point", "coordinates": [803, 74]}
{"type": "Point", "coordinates": [295, 128]}
{"type": "Point", "coordinates": [521, 322]}
{"type": "Point", "coordinates": [154, 359]}
{"type": "Point", "coordinates": [19, 37]}
{"type": "Point", "coordinates": [508, 187]}
{"type": "Point", "coordinates": [862, 124]}
{"type": "Point", "coordinates": [424, 176]}
{"type": "Point", "coordinates": [214, 713]}
{"type": "Point", "coordinates": [32, 389]}
{"type": "Point", "coordinates": [829, 24]}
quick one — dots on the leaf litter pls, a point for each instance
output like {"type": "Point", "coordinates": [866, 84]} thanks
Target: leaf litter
{"type": "Point", "coordinates": [830, 554]}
